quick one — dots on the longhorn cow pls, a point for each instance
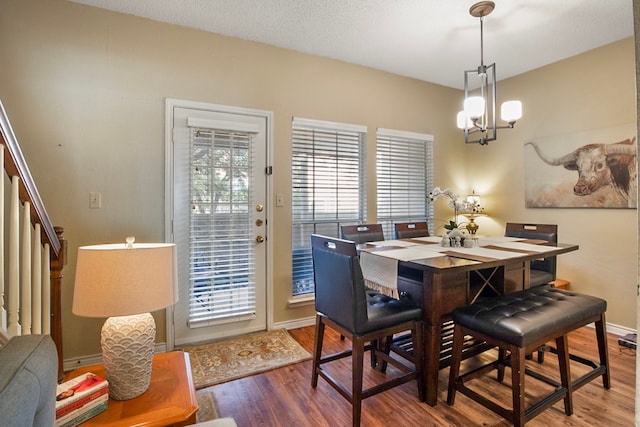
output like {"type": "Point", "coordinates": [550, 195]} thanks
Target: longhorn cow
{"type": "Point", "coordinates": [599, 165]}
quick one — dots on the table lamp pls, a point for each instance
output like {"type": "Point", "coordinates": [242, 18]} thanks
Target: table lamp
{"type": "Point", "coordinates": [125, 282]}
{"type": "Point", "coordinates": [472, 211]}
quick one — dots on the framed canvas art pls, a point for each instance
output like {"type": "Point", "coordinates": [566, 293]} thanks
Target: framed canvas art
{"type": "Point", "coordinates": [594, 169]}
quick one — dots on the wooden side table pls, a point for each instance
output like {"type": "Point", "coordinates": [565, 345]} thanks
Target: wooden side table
{"type": "Point", "coordinates": [169, 401]}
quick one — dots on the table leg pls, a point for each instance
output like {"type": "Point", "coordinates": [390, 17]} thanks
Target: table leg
{"type": "Point", "coordinates": [432, 361]}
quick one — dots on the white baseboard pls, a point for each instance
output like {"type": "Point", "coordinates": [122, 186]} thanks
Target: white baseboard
{"type": "Point", "coordinates": [619, 330]}
{"type": "Point", "coordinates": [94, 359]}
{"type": "Point", "coordinates": [297, 323]}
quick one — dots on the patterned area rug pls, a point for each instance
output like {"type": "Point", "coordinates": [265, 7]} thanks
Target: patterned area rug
{"type": "Point", "coordinates": [242, 356]}
{"type": "Point", "coordinates": [207, 409]}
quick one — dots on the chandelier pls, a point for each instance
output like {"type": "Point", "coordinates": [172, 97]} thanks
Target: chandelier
{"type": "Point", "coordinates": [479, 113]}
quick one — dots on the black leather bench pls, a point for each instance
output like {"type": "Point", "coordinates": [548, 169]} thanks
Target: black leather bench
{"type": "Point", "coordinates": [518, 323]}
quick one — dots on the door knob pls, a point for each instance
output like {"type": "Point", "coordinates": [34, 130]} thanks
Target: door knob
{"type": "Point", "coordinates": [260, 239]}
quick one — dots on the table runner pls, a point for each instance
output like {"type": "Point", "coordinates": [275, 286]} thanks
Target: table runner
{"type": "Point", "coordinates": [380, 267]}
{"type": "Point", "coordinates": [379, 261]}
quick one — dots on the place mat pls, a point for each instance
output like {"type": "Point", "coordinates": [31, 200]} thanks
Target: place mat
{"type": "Point", "coordinates": [520, 247]}
{"type": "Point", "coordinates": [468, 256]}
{"type": "Point", "coordinates": [239, 357]}
{"type": "Point", "coordinates": [380, 265]}
{"type": "Point", "coordinates": [535, 241]}
{"type": "Point", "coordinates": [384, 243]}
{"type": "Point", "coordinates": [481, 254]}
{"type": "Point", "coordinates": [420, 241]}
{"type": "Point", "coordinates": [520, 251]}
{"type": "Point", "coordinates": [427, 239]}
{"type": "Point", "coordinates": [409, 253]}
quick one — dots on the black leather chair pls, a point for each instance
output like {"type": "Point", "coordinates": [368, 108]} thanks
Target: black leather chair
{"type": "Point", "coordinates": [362, 233]}
{"type": "Point", "coordinates": [342, 304]}
{"type": "Point", "coordinates": [543, 271]}
{"type": "Point", "coordinates": [407, 230]}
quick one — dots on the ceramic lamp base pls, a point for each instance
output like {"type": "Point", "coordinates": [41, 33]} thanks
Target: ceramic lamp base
{"type": "Point", "coordinates": [127, 351]}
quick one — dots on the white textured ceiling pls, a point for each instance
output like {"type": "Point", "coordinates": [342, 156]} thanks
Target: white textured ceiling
{"type": "Point", "coordinates": [431, 40]}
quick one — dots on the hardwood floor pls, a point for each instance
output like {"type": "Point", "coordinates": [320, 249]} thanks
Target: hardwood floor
{"type": "Point", "coordinates": [284, 397]}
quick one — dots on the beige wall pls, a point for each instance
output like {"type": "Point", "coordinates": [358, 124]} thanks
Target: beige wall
{"type": "Point", "coordinates": [85, 89]}
{"type": "Point", "coordinates": [588, 92]}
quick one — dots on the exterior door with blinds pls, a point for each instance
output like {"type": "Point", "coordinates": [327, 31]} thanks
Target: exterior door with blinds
{"type": "Point", "coordinates": [219, 220]}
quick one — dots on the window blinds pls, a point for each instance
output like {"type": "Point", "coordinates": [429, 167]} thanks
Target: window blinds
{"type": "Point", "coordinates": [327, 187]}
{"type": "Point", "coordinates": [220, 253]}
{"type": "Point", "coordinates": [404, 169]}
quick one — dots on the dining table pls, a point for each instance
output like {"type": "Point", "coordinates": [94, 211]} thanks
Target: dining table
{"type": "Point", "coordinates": [439, 278]}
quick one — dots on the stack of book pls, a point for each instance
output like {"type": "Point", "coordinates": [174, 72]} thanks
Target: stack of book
{"type": "Point", "coordinates": [79, 399]}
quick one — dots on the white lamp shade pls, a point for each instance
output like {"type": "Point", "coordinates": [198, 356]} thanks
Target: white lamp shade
{"type": "Point", "coordinates": [474, 106]}
{"type": "Point", "coordinates": [462, 120]}
{"type": "Point", "coordinates": [473, 199]}
{"type": "Point", "coordinates": [510, 111]}
{"type": "Point", "coordinates": [116, 280]}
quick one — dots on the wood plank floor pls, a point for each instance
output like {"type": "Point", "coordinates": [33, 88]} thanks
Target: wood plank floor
{"type": "Point", "coordinates": [284, 397]}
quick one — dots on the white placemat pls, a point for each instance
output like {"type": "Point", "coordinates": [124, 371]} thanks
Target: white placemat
{"type": "Point", "coordinates": [485, 253]}
{"type": "Point", "coordinates": [525, 246]}
{"type": "Point", "coordinates": [399, 243]}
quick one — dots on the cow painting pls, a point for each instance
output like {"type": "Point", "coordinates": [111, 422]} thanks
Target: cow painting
{"type": "Point", "coordinates": [595, 175]}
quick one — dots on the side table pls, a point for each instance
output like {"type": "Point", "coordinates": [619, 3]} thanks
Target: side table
{"type": "Point", "coordinates": [169, 401]}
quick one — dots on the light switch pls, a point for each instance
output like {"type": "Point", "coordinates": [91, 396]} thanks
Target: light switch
{"type": "Point", "coordinates": [95, 200]}
{"type": "Point", "coordinates": [279, 200]}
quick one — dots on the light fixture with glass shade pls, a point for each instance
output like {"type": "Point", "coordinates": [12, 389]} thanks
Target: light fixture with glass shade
{"type": "Point", "coordinates": [125, 282]}
{"type": "Point", "coordinates": [479, 111]}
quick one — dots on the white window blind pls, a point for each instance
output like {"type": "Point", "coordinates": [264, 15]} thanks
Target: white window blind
{"type": "Point", "coordinates": [404, 169]}
{"type": "Point", "coordinates": [220, 255]}
{"type": "Point", "coordinates": [328, 179]}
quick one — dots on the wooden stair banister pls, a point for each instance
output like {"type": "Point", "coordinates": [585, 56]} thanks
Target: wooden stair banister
{"type": "Point", "coordinates": [15, 165]}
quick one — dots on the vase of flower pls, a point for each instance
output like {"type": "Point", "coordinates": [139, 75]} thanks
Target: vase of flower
{"type": "Point", "coordinates": [454, 235]}
{"type": "Point", "coordinates": [457, 203]}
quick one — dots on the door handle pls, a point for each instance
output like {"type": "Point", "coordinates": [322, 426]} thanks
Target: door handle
{"type": "Point", "coordinates": [260, 239]}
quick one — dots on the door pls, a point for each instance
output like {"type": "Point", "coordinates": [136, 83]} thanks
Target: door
{"type": "Point", "coordinates": [217, 217]}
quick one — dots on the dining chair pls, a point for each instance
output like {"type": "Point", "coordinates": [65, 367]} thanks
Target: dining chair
{"type": "Point", "coordinates": [341, 303]}
{"type": "Point", "coordinates": [362, 233]}
{"type": "Point", "coordinates": [407, 230]}
{"type": "Point", "coordinates": [543, 271]}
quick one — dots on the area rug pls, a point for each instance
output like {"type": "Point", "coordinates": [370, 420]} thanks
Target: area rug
{"type": "Point", "coordinates": [207, 408]}
{"type": "Point", "coordinates": [239, 357]}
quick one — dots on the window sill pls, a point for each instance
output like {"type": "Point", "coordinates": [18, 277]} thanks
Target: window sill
{"type": "Point", "coordinates": [301, 301]}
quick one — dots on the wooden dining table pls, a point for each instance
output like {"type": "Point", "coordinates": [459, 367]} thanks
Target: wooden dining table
{"type": "Point", "coordinates": [439, 279]}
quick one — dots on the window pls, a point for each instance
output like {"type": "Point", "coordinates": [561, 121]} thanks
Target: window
{"type": "Point", "coordinates": [328, 176]}
{"type": "Point", "coordinates": [404, 168]}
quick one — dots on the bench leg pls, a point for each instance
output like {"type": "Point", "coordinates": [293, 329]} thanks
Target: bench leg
{"type": "Point", "coordinates": [601, 335]}
{"type": "Point", "coordinates": [565, 372]}
{"type": "Point", "coordinates": [502, 356]}
{"type": "Point", "coordinates": [517, 384]}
